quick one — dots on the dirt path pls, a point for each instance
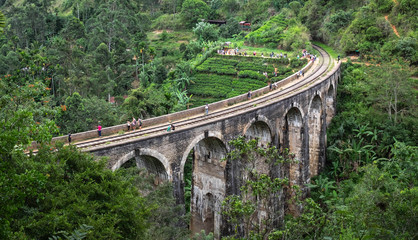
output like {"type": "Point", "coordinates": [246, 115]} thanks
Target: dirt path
{"type": "Point", "coordinates": [354, 60]}
{"type": "Point", "coordinates": [393, 26]}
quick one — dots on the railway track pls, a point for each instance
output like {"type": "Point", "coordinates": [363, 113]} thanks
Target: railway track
{"type": "Point", "coordinates": [275, 95]}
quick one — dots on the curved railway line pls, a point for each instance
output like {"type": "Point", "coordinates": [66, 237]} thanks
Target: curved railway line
{"type": "Point", "coordinates": [250, 105]}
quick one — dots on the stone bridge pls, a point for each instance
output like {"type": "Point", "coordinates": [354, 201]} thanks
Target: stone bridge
{"type": "Point", "coordinates": [297, 120]}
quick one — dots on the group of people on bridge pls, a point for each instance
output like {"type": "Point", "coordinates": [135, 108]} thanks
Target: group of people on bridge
{"type": "Point", "coordinates": [132, 125]}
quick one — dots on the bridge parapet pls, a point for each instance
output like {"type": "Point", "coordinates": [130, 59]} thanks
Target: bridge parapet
{"type": "Point", "coordinates": [107, 131]}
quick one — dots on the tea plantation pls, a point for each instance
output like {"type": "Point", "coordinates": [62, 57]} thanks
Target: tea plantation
{"type": "Point", "coordinates": [226, 76]}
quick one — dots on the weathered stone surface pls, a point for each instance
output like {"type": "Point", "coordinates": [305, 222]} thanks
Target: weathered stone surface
{"type": "Point", "coordinates": [297, 122]}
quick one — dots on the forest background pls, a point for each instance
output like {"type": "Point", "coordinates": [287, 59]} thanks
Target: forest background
{"type": "Point", "coordinates": [62, 60]}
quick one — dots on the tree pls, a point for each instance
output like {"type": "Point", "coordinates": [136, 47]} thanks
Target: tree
{"type": "Point", "coordinates": [147, 102]}
{"type": "Point", "coordinates": [83, 114]}
{"type": "Point", "coordinates": [295, 37]}
{"type": "Point", "coordinates": [24, 116]}
{"type": "Point", "coordinates": [73, 111]}
{"type": "Point", "coordinates": [74, 30]}
{"type": "Point", "coordinates": [230, 29]}
{"type": "Point", "coordinates": [250, 212]}
{"type": "Point", "coordinates": [193, 11]}
{"type": "Point", "coordinates": [70, 187]}
{"type": "Point", "coordinates": [206, 31]}
{"type": "Point", "coordinates": [391, 90]}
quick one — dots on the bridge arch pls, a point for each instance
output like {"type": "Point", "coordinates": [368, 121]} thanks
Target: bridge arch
{"type": "Point", "coordinates": [208, 181]}
{"type": "Point", "coordinates": [149, 159]}
{"type": "Point", "coordinates": [315, 127]}
{"type": "Point", "coordinates": [295, 106]}
{"type": "Point", "coordinates": [130, 155]}
{"type": "Point", "coordinates": [195, 141]}
{"type": "Point", "coordinates": [259, 127]}
{"type": "Point", "coordinates": [293, 139]}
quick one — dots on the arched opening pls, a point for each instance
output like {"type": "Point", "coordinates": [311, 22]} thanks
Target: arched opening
{"type": "Point", "coordinates": [207, 184]}
{"type": "Point", "coordinates": [293, 138]}
{"type": "Point", "coordinates": [314, 123]}
{"type": "Point", "coordinates": [131, 163]}
{"type": "Point", "coordinates": [152, 166]}
{"type": "Point", "coordinates": [293, 141]}
{"type": "Point", "coordinates": [261, 131]}
{"type": "Point", "coordinates": [330, 104]}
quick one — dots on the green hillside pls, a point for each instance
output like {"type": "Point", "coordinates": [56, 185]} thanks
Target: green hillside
{"type": "Point", "coordinates": [226, 76]}
{"type": "Point", "coordinates": [68, 65]}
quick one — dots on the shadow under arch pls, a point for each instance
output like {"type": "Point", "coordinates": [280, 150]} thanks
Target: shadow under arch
{"type": "Point", "coordinates": [208, 213]}
{"type": "Point", "coordinates": [329, 101]}
{"type": "Point", "coordinates": [293, 138]}
{"type": "Point", "coordinates": [208, 182]}
{"type": "Point", "coordinates": [150, 159]}
{"type": "Point", "coordinates": [259, 127]}
{"type": "Point", "coordinates": [315, 121]}
{"type": "Point", "coordinates": [330, 92]}
{"type": "Point", "coordinates": [196, 140]}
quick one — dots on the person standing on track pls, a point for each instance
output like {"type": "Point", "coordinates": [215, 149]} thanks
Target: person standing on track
{"type": "Point", "coordinates": [99, 130]}
{"type": "Point", "coordinates": [249, 95]}
{"type": "Point", "coordinates": [129, 125]}
{"type": "Point", "coordinates": [69, 138]}
{"type": "Point", "coordinates": [206, 109]}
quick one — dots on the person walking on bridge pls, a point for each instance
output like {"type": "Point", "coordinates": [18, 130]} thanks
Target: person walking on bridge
{"type": "Point", "coordinates": [206, 109]}
{"type": "Point", "coordinates": [133, 124]}
{"type": "Point", "coordinates": [139, 124]}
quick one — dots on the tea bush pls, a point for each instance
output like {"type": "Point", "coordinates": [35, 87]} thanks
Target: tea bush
{"type": "Point", "coordinates": [228, 76]}
{"type": "Point", "coordinates": [251, 74]}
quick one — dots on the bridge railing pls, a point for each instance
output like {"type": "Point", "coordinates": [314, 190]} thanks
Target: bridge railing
{"type": "Point", "coordinates": [177, 115]}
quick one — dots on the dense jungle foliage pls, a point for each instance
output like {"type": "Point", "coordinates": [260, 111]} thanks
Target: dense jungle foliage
{"type": "Point", "coordinates": [65, 65]}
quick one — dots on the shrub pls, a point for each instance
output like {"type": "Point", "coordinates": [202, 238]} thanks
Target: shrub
{"type": "Point", "coordinates": [251, 74]}
{"type": "Point", "coordinates": [296, 63]}
{"type": "Point", "coordinates": [339, 20]}
{"type": "Point", "coordinates": [230, 29]}
{"type": "Point", "coordinates": [270, 32]}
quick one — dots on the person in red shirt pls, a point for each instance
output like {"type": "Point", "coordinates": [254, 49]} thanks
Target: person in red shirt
{"type": "Point", "coordinates": [99, 130]}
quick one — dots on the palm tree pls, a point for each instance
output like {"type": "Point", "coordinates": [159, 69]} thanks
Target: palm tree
{"type": "Point", "coordinates": [183, 82]}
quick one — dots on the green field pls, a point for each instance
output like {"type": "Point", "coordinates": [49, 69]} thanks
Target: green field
{"type": "Point", "coordinates": [225, 76]}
